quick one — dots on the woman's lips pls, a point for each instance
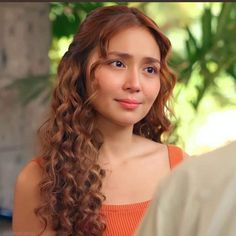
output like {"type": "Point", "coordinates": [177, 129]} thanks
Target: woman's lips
{"type": "Point", "coordinates": [128, 103]}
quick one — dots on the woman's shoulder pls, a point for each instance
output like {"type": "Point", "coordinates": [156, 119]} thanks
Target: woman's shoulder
{"type": "Point", "coordinates": [150, 147]}
{"type": "Point", "coordinates": [27, 199]}
{"type": "Point", "coordinates": [29, 177]}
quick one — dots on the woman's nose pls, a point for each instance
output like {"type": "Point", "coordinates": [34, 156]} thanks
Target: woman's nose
{"type": "Point", "coordinates": [132, 81]}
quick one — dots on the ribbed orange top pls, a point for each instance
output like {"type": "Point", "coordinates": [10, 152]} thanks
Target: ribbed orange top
{"type": "Point", "coordinates": [122, 220]}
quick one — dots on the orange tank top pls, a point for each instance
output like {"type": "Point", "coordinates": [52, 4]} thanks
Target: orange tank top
{"type": "Point", "coordinates": [123, 220]}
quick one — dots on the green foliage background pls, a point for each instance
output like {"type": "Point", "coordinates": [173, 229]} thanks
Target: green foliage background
{"type": "Point", "coordinates": [204, 55]}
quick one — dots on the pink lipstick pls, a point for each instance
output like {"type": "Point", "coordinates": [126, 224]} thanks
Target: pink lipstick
{"type": "Point", "coordinates": [128, 103]}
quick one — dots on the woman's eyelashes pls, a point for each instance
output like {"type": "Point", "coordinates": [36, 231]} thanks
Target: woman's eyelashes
{"type": "Point", "coordinates": [117, 63]}
{"type": "Point", "coordinates": [150, 69]}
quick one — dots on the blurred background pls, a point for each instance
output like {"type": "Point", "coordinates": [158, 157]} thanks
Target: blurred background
{"type": "Point", "coordinates": [34, 36]}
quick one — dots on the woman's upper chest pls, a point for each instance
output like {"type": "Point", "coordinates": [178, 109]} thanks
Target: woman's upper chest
{"type": "Point", "coordinates": [135, 180]}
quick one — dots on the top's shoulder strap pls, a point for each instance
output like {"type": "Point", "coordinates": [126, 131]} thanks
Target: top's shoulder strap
{"type": "Point", "coordinates": [175, 155]}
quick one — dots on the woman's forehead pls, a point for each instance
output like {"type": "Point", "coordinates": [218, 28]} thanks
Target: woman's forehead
{"type": "Point", "coordinates": [133, 41]}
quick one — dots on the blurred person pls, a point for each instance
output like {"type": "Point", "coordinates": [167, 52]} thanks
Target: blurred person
{"type": "Point", "coordinates": [198, 198]}
{"type": "Point", "coordinates": [102, 154]}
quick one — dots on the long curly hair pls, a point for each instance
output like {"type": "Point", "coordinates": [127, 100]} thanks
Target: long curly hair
{"type": "Point", "coordinates": [70, 189]}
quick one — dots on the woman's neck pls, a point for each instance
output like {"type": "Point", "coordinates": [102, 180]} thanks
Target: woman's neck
{"type": "Point", "coordinates": [118, 142]}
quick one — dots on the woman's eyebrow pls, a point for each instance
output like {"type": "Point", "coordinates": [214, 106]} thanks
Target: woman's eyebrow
{"type": "Point", "coordinates": [151, 60]}
{"type": "Point", "coordinates": [129, 56]}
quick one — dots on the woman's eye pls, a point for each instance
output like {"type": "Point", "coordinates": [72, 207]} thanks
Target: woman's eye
{"type": "Point", "coordinates": [150, 70]}
{"type": "Point", "coordinates": [117, 64]}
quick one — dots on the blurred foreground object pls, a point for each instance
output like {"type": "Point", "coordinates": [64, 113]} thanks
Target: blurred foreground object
{"type": "Point", "coordinates": [199, 198]}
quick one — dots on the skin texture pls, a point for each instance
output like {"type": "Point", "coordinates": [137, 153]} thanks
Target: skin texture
{"type": "Point", "coordinates": [127, 158]}
{"type": "Point", "coordinates": [129, 75]}
{"type": "Point", "coordinates": [26, 199]}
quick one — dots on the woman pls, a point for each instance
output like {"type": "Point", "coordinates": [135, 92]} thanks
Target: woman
{"type": "Point", "coordinates": [102, 155]}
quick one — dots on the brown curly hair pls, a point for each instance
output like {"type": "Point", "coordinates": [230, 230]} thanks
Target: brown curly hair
{"type": "Point", "coordinates": [70, 190]}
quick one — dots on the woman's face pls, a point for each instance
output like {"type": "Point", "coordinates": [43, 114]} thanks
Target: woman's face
{"type": "Point", "coordinates": [126, 86]}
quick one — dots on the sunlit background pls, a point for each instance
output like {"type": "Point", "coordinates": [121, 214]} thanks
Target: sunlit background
{"type": "Point", "coordinates": [209, 126]}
